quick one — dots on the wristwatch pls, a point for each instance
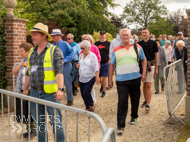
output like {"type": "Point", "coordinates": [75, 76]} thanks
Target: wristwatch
{"type": "Point", "coordinates": [62, 89]}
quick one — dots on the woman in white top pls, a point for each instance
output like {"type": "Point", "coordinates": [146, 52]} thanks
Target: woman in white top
{"type": "Point", "coordinates": [88, 73]}
{"type": "Point", "coordinates": [169, 51]}
{"type": "Point", "coordinates": [20, 71]}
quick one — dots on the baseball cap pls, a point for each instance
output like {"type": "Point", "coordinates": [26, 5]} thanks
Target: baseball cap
{"type": "Point", "coordinates": [102, 32]}
{"type": "Point", "coordinates": [180, 33]}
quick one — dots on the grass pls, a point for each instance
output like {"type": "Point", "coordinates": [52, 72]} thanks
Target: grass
{"type": "Point", "coordinates": [184, 134]}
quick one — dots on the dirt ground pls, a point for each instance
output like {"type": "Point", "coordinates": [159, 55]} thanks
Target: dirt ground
{"type": "Point", "coordinates": [149, 126]}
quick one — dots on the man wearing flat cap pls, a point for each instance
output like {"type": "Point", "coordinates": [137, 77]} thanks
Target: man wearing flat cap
{"type": "Point", "coordinates": [181, 37]}
{"type": "Point", "coordinates": [68, 54]}
{"type": "Point", "coordinates": [45, 77]}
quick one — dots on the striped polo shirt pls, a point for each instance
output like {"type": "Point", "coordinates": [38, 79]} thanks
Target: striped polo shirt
{"type": "Point", "coordinates": [125, 58]}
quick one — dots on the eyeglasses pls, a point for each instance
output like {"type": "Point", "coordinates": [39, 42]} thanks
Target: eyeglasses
{"type": "Point", "coordinates": [82, 48]}
{"type": "Point", "coordinates": [85, 39]}
{"type": "Point", "coordinates": [68, 38]}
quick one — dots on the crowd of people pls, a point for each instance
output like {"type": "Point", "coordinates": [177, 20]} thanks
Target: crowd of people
{"type": "Point", "coordinates": [47, 67]}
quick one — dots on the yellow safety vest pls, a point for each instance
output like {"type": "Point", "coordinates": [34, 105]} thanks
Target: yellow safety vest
{"type": "Point", "coordinates": [50, 84]}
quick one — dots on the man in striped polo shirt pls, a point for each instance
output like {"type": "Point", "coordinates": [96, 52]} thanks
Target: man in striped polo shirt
{"type": "Point", "coordinates": [128, 78]}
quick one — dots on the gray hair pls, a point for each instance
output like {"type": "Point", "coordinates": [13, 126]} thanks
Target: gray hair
{"type": "Point", "coordinates": [180, 42]}
{"type": "Point", "coordinates": [86, 44]}
{"type": "Point", "coordinates": [91, 38]}
{"type": "Point", "coordinates": [72, 36]}
{"type": "Point", "coordinates": [125, 29]}
{"type": "Point", "coordinates": [168, 42]}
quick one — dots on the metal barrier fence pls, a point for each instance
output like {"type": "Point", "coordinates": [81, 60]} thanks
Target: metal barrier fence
{"type": "Point", "coordinates": [17, 134]}
{"type": "Point", "coordinates": [175, 87]}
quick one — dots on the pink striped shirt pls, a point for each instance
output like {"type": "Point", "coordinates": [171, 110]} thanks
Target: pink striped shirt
{"type": "Point", "coordinates": [169, 51]}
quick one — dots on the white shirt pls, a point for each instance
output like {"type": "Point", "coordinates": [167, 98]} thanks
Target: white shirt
{"type": "Point", "coordinates": [23, 77]}
{"type": "Point", "coordinates": [88, 67]}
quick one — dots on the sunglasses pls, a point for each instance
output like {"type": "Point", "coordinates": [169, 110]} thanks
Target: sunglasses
{"type": "Point", "coordinates": [85, 39]}
{"type": "Point", "coordinates": [68, 38]}
{"type": "Point", "coordinates": [82, 48]}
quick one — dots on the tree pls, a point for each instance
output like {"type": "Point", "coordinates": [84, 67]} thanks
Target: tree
{"type": "Point", "coordinates": [161, 26]}
{"type": "Point", "coordinates": [143, 12]}
{"type": "Point", "coordinates": [22, 12]}
{"type": "Point", "coordinates": [100, 7]}
{"type": "Point", "coordinates": [74, 16]}
{"type": "Point", "coordinates": [180, 20]}
{"type": "Point", "coordinates": [117, 21]}
{"type": "Point", "coordinates": [96, 36]}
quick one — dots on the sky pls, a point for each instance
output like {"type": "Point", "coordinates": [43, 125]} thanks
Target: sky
{"type": "Point", "coordinates": [172, 5]}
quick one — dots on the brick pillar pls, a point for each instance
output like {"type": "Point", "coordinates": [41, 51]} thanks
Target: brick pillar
{"type": "Point", "coordinates": [187, 100]}
{"type": "Point", "coordinates": [15, 34]}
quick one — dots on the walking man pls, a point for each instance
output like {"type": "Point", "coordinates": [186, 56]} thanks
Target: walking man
{"type": "Point", "coordinates": [128, 78]}
{"type": "Point", "coordinates": [103, 46]}
{"type": "Point", "coordinates": [68, 54]}
{"type": "Point", "coordinates": [151, 52]}
{"type": "Point", "coordinates": [77, 50]}
{"type": "Point", "coordinates": [45, 77]}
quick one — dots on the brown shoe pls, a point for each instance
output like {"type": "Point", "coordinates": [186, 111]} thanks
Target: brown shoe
{"type": "Point", "coordinates": [69, 103]}
{"type": "Point", "coordinates": [92, 108]}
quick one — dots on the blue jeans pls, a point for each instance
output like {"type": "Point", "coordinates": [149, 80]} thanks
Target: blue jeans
{"type": "Point", "coordinates": [67, 67]}
{"type": "Point", "coordinates": [41, 116]}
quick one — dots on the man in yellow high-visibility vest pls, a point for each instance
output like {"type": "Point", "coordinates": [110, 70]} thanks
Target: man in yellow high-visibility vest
{"type": "Point", "coordinates": [45, 77]}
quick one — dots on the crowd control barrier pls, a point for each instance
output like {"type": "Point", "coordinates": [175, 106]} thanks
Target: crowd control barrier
{"type": "Point", "coordinates": [175, 87]}
{"type": "Point", "coordinates": [13, 131]}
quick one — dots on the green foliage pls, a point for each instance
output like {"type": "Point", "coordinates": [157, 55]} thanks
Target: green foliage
{"type": "Point", "coordinates": [21, 11]}
{"type": "Point", "coordinates": [143, 12]}
{"type": "Point", "coordinates": [96, 36]}
{"type": "Point", "coordinates": [184, 134]}
{"type": "Point", "coordinates": [100, 7]}
{"type": "Point", "coordinates": [75, 17]}
{"type": "Point", "coordinates": [161, 26]}
{"type": "Point", "coordinates": [3, 81]}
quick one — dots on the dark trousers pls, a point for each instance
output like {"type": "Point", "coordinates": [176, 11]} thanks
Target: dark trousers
{"type": "Point", "coordinates": [124, 88]}
{"type": "Point", "coordinates": [74, 88]}
{"type": "Point", "coordinates": [85, 89]}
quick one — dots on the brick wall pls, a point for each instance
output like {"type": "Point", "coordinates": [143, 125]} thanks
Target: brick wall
{"type": "Point", "coordinates": [15, 34]}
{"type": "Point", "coordinates": [188, 63]}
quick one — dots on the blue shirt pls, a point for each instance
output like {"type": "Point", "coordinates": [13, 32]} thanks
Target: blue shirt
{"type": "Point", "coordinates": [77, 51]}
{"type": "Point", "coordinates": [173, 53]}
{"type": "Point", "coordinates": [68, 52]}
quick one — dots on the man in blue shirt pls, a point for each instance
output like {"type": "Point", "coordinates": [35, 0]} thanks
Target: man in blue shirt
{"type": "Point", "coordinates": [181, 37]}
{"type": "Point", "coordinates": [68, 54]}
{"type": "Point", "coordinates": [77, 50]}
